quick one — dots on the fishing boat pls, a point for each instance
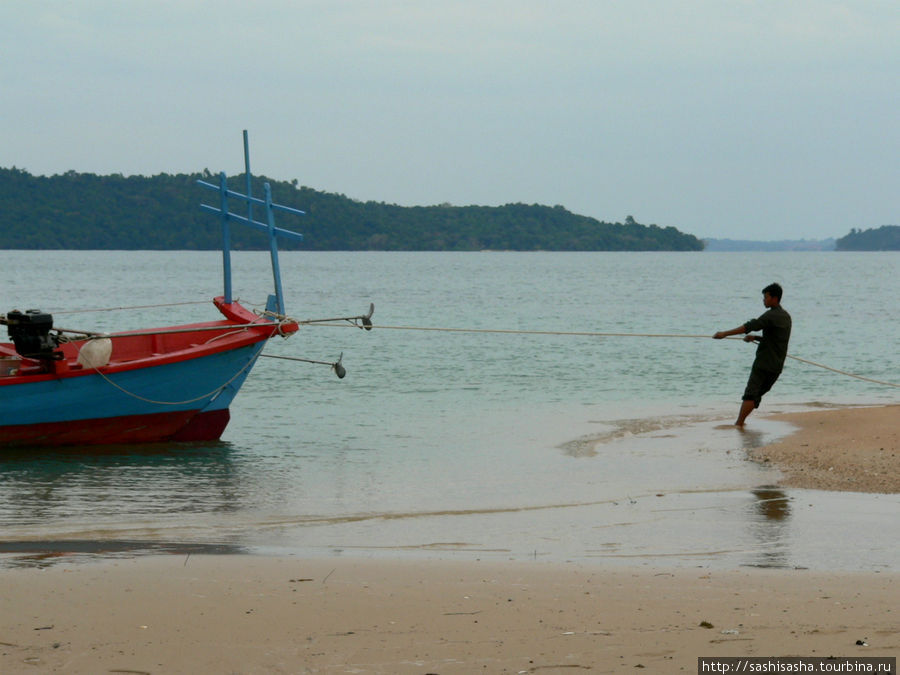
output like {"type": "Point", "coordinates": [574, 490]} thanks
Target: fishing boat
{"type": "Point", "coordinates": [173, 383]}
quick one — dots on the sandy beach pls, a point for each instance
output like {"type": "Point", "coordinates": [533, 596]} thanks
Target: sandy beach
{"type": "Point", "coordinates": [242, 614]}
{"type": "Point", "coordinates": [853, 449]}
{"type": "Point", "coordinates": [257, 614]}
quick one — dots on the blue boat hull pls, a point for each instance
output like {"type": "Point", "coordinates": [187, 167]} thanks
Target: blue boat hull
{"type": "Point", "coordinates": [182, 400]}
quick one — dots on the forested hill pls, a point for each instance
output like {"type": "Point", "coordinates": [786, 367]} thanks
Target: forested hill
{"type": "Point", "coordinates": [884, 238]}
{"type": "Point", "coordinates": [86, 211]}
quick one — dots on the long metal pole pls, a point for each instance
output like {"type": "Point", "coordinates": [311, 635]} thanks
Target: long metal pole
{"type": "Point", "coordinates": [226, 237]}
{"type": "Point", "coordinates": [273, 249]}
{"type": "Point", "coordinates": [248, 176]}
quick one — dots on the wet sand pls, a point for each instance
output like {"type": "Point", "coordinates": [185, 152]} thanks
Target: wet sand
{"type": "Point", "coordinates": [850, 449]}
{"type": "Point", "coordinates": [243, 614]}
{"type": "Point", "coordinates": [258, 614]}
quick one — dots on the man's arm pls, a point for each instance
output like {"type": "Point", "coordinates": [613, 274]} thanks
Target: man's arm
{"type": "Point", "coordinates": [740, 330]}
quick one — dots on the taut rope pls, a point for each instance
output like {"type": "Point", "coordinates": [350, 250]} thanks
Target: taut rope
{"type": "Point", "coordinates": [118, 309]}
{"type": "Point", "coordinates": [509, 331]}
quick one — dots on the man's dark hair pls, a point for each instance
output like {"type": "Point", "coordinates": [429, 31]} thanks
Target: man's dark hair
{"type": "Point", "coordinates": [774, 290]}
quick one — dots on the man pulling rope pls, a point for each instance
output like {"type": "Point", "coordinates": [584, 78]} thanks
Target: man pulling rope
{"type": "Point", "coordinates": [775, 324]}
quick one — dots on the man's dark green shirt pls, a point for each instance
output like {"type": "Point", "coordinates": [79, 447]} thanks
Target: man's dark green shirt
{"type": "Point", "coordinates": [775, 325]}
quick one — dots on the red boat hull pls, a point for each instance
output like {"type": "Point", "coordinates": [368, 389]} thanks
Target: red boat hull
{"type": "Point", "coordinates": [152, 428]}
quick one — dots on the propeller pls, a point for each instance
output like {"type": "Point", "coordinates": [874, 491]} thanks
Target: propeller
{"type": "Point", "coordinates": [336, 366]}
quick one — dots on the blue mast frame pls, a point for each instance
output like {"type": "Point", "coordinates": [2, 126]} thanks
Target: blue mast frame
{"type": "Point", "coordinates": [276, 301]}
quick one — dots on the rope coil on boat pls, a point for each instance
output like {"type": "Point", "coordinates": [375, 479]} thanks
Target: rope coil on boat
{"type": "Point", "coordinates": [210, 394]}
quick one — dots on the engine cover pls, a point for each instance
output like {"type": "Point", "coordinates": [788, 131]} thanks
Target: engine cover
{"type": "Point", "coordinates": [30, 332]}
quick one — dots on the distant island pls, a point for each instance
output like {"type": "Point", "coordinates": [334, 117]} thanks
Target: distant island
{"type": "Point", "coordinates": [779, 245]}
{"type": "Point", "coordinates": [84, 211]}
{"type": "Point", "coordinates": [884, 238]}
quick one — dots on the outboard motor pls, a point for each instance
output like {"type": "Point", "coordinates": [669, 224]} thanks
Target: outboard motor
{"type": "Point", "coordinates": [30, 332]}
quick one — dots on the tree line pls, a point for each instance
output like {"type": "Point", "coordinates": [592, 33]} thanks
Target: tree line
{"type": "Point", "coordinates": [884, 238]}
{"type": "Point", "coordinates": [85, 211]}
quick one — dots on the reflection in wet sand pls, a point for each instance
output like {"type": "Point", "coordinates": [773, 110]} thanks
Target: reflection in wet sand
{"type": "Point", "coordinates": [47, 553]}
{"type": "Point", "coordinates": [113, 501]}
{"type": "Point", "coordinates": [771, 529]}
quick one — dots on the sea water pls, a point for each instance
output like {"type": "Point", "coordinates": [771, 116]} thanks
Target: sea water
{"type": "Point", "coordinates": [589, 427]}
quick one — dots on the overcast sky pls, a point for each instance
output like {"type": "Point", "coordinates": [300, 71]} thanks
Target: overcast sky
{"type": "Point", "coordinates": [749, 119]}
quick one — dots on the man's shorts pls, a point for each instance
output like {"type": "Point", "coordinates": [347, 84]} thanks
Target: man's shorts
{"type": "Point", "coordinates": [758, 384]}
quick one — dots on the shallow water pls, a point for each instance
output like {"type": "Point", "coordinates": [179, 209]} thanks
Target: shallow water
{"type": "Point", "coordinates": [555, 447]}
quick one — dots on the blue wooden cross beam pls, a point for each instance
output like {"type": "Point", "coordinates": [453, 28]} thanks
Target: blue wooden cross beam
{"type": "Point", "coordinates": [276, 302]}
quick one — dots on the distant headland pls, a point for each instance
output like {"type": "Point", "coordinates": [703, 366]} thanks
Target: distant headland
{"type": "Point", "coordinates": [84, 211]}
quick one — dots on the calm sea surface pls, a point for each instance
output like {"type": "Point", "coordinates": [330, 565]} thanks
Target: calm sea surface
{"type": "Point", "coordinates": [477, 445]}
